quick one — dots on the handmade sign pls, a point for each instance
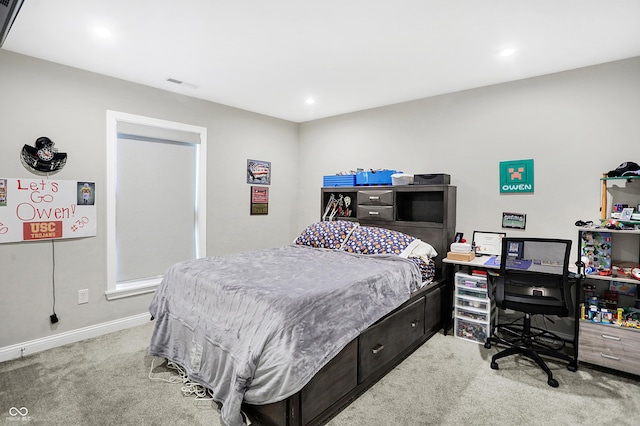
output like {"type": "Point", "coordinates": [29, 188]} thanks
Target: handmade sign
{"type": "Point", "coordinates": [44, 209]}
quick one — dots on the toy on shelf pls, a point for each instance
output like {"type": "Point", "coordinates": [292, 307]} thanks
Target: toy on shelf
{"type": "Point", "coordinates": [595, 251]}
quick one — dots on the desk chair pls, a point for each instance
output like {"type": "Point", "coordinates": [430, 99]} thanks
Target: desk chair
{"type": "Point", "coordinates": [533, 280]}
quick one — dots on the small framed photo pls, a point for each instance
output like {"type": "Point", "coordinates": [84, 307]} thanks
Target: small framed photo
{"type": "Point", "coordinates": [258, 172]}
{"type": "Point", "coordinates": [626, 213]}
{"type": "Point", "coordinates": [514, 220]}
{"type": "Point", "coordinates": [259, 200]}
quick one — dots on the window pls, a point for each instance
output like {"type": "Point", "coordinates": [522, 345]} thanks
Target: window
{"type": "Point", "coordinates": [156, 205]}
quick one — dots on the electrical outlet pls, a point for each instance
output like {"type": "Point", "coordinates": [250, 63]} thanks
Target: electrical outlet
{"type": "Point", "coordinates": [83, 296]}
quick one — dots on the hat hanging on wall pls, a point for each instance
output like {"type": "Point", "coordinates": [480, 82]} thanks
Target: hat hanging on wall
{"type": "Point", "coordinates": [43, 158]}
{"type": "Point", "coordinates": [628, 168]}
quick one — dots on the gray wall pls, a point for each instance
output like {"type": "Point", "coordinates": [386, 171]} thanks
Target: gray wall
{"type": "Point", "coordinates": [39, 98]}
{"type": "Point", "coordinates": [575, 125]}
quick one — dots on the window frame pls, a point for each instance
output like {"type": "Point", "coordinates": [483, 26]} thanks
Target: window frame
{"type": "Point", "coordinates": [120, 290]}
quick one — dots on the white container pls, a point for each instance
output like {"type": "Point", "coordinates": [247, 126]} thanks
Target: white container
{"type": "Point", "coordinates": [401, 179]}
{"type": "Point", "coordinates": [475, 312]}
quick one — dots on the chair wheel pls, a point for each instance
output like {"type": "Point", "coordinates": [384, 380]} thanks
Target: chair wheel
{"type": "Point", "coordinates": [572, 367]}
{"type": "Point", "coordinates": [553, 383]}
{"type": "Point", "coordinates": [487, 345]}
{"type": "Point", "coordinates": [494, 365]}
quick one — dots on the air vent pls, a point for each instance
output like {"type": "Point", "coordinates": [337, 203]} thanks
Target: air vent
{"type": "Point", "coordinates": [182, 83]}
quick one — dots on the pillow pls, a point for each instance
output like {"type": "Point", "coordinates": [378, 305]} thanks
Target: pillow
{"type": "Point", "coordinates": [329, 235]}
{"type": "Point", "coordinates": [373, 240]}
{"type": "Point", "coordinates": [427, 268]}
{"type": "Point", "coordinates": [421, 249]}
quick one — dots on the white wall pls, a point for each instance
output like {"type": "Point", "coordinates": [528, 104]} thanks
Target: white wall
{"type": "Point", "coordinates": [39, 98]}
{"type": "Point", "coordinates": [575, 125]}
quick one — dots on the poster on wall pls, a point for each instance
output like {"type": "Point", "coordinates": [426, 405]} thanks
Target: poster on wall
{"type": "Point", "coordinates": [516, 176]}
{"type": "Point", "coordinates": [259, 200]}
{"type": "Point", "coordinates": [45, 209]}
{"type": "Point", "coordinates": [259, 172]}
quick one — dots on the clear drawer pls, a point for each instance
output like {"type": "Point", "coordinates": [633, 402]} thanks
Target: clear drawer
{"type": "Point", "coordinates": [471, 292]}
{"type": "Point", "coordinates": [471, 303]}
{"type": "Point", "coordinates": [471, 330]}
{"type": "Point", "coordinates": [473, 315]}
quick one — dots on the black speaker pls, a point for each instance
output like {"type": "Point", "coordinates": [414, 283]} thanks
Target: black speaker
{"type": "Point", "coordinates": [432, 179]}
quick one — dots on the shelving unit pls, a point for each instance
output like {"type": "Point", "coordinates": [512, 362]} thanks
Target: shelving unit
{"type": "Point", "coordinates": [601, 343]}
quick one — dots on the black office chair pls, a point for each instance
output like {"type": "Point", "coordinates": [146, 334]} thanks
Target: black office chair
{"type": "Point", "coordinates": [534, 279]}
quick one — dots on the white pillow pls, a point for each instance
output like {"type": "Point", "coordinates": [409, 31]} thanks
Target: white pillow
{"type": "Point", "coordinates": [419, 248]}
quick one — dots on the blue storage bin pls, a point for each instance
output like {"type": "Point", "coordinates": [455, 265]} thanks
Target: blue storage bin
{"type": "Point", "coordinates": [339, 180]}
{"type": "Point", "coordinates": [379, 177]}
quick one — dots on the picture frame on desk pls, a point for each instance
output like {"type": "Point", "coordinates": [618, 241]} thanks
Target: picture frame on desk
{"type": "Point", "coordinates": [488, 243]}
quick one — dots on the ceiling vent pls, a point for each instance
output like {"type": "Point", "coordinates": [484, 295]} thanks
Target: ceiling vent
{"type": "Point", "coordinates": [180, 82]}
{"type": "Point", "coordinates": [8, 11]}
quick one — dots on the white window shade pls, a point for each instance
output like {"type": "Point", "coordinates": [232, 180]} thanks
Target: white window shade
{"type": "Point", "coordinates": [155, 206]}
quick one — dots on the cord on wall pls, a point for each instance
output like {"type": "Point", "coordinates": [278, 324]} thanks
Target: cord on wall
{"type": "Point", "coordinates": [53, 317]}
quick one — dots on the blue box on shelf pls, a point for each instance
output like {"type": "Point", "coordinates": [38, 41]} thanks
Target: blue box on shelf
{"type": "Point", "coordinates": [379, 177]}
{"type": "Point", "coordinates": [339, 180]}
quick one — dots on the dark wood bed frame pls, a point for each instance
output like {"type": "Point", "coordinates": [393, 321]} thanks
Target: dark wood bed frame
{"type": "Point", "coordinates": [360, 364]}
{"type": "Point", "coordinates": [386, 343]}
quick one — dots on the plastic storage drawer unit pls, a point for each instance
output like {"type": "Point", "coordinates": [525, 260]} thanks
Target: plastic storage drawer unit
{"type": "Point", "coordinates": [474, 312]}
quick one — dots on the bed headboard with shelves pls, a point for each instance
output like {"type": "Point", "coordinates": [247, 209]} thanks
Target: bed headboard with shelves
{"type": "Point", "coordinates": [427, 212]}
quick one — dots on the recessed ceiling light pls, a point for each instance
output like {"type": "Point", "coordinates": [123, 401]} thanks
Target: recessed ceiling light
{"type": "Point", "coordinates": [310, 101]}
{"type": "Point", "coordinates": [508, 51]}
{"type": "Point", "coordinates": [102, 32]}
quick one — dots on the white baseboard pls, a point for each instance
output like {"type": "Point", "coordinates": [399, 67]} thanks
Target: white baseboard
{"type": "Point", "coordinates": [27, 348]}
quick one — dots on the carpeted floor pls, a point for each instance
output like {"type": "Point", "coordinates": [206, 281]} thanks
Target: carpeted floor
{"type": "Point", "coordinates": [448, 381]}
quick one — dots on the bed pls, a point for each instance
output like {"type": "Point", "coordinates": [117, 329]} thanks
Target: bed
{"type": "Point", "coordinates": [289, 335]}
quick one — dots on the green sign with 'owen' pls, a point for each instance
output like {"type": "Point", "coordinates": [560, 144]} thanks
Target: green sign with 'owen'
{"type": "Point", "coordinates": [516, 176]}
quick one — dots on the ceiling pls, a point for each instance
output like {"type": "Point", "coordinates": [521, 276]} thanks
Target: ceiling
{"type": "Point", "coordinates": [270, 56]}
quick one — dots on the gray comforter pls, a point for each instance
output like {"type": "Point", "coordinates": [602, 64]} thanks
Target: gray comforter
{"type": "Point", "coordinates": [257, 326]}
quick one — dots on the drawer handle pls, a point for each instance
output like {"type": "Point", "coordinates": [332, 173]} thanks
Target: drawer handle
{"type": "Point", "coordinates": [415, 323]}
{"type": "Point", "coordinates": [377, 349]}
{"type": "Point", "coordinates": [615, 358]}
{"type": "Point", "coordinates": [606, 336]}
{"type": "Point", "coordinates": [373, 198]}
{"type": "Point", "coordinates": [374, 213]}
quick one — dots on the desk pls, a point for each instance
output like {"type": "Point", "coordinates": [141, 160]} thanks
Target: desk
{"type": "Point", "coordinates": [482, 263]}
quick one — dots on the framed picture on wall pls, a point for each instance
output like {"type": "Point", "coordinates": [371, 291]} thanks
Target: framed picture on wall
{"type": "Point", "coordinates": [259, 200]}
{"type": "Point", "coordinates": [514, 220]}
{"type": "Point", "coordinates": [259, 172]}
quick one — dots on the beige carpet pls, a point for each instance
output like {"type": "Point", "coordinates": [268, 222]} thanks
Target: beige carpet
{"type": "Point", "coordinates": [448, 381]}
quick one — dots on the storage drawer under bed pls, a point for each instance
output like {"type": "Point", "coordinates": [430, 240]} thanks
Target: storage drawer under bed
{"type": "Point", "coordinates": [384, 341]}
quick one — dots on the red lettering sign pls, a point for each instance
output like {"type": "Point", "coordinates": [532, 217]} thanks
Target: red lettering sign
{"type": "Point", "coordinates": [41, 230]}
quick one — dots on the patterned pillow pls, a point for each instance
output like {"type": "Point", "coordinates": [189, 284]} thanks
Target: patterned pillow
{"type": "Point", "coordinates": [427, 268]}
{"type": "Point", "coordinates": [373, 240]}
{"type": "Point", "coordinates": [329, 235]}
